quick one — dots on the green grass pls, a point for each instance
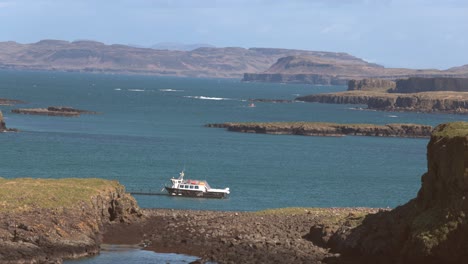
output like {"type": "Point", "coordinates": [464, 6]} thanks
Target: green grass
{"type": "Point", "coordinates": [450, 130]}
{"type": "Point", "coordinates": [23, 194]}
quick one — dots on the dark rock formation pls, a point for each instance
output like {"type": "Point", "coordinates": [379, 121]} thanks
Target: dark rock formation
{"type": "Point", "coordinates": [371, 85]}
{"type": "Point", "coordinates": [53, 111]}
{"type": "Point", "coordinates": [45, 221]}
{"type": "Point", "coordinates": [446, 102]}
{"type": "Point", "coordinates": [3, 127]}
{"type": "Point", "coordinates": [433, 227]}
{"type": "Point", "coordinates": [416, 85]}
{"type": "Point", "coordinates": [328, 129]}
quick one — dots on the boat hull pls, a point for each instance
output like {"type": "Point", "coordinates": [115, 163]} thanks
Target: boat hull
{"type": "Point", "coordinates": [195, 194]}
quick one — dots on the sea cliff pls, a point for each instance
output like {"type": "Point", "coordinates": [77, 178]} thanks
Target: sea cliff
{"type": "Point", "coordinates": [328, 129]}
{"type": "Point", "coordinates": [432, 228]}
{"type": "Point", "coordinates": [46, 220]}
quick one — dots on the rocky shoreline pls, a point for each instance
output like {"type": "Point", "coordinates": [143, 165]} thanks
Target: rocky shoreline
{"type": "Point", "coordinates": [329, 129]}
{"type": "Point", "coordinates": [271, 236]}
{"type": "Point", "coordinates": [53, 111]}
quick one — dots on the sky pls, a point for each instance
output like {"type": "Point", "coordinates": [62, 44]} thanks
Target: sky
{"type": "Point", "coordinates": [393, 33]}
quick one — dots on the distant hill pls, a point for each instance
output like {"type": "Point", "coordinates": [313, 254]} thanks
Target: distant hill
{"type": "Point", "coordinates": [338, 70]}
{"type": "Point", "coordinates": [92, 56]}
{"type": "Point", "coordinates": [180, 46]}
{"type": "Point", "coordinates": [263, 64]}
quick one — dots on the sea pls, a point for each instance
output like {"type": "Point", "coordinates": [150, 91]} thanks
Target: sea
{"type": "Point", "coordinates": [150, 128]}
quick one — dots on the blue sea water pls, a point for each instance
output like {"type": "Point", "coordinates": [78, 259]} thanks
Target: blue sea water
{"type": "Point", "coordinates": [150, 128]}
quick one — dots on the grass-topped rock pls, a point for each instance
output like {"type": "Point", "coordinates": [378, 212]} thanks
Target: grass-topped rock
{"type": "Point", "coordinates": [47, 220]}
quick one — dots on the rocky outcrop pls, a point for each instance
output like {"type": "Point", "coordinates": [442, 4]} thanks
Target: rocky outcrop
{"type": "Point", "coordinates": [2, 123]}
{"type": "Point", "coordinates": [433, 227]}
{"type": "Point", "coordinates": [446, 102]}
{"type": "Point", "coordinates": [416, 85]}
{"type": "Point", "coordinates": [3, 127]}
{"type": "Point", "coordinates": [53, 111]}
{"type": "Point", "coordinates": [328, 129]}
{"type": "Point", "coordinates": [45, 221]}
{"type": "Point", "coordinates": [371, 85]}
{"type": "Point", "coordinates": [316, 79]}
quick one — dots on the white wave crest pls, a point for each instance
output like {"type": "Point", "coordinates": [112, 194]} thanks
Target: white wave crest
{"type": "Point", "coordinates": [136, 90]}
{"type": "Point", "coordinates": [170, 90]}
{"type": "Point", "coordinates": [117, 89]}
{"type": "Point", "coordinates": [208, 98]}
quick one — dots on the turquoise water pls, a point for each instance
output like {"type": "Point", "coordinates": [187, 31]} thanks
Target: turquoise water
{"type": "Point", "coordinates": [124, 254]}
{"type": "Point", "coordinates": [147, 133]}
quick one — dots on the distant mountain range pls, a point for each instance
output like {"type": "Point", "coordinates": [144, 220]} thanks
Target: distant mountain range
{"type": "Point", "coordinates": [261, 64]}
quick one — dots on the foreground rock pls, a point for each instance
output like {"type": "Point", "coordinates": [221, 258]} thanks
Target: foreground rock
{"type": "Point", "coordinates": [432, 228]}
{"type": "Point", "coordinates": [329, 129]}
{"type": "Point", "coordinates": [272, 236]}
{"type": "Point", "coordinates": [444, 102]}
{"type": "Point", "coordinates": [53, 111]}
{"type": "Point", "coordinates": [46, 221]}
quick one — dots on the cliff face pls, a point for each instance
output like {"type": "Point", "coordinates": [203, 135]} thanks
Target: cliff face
{"type": "Point", "coordinates": [433, 227]}
{"type": "Point", "coordinates": [50, 220]}
{"type": "Point", "coordinates": [371, 85]}
{"type": "Point", "coordinates": [416, 85]}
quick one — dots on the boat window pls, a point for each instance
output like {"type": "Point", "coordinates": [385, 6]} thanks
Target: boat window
{"type": "Point", "coordinates": [191, 186]}
{"type": "Point", "coordinates": [196, 187]}
{"type": "Point", "coordinates": [182, 186]}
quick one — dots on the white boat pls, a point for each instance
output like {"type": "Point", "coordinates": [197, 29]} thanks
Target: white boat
{"type": "Point", "coordinates": [194, 188]}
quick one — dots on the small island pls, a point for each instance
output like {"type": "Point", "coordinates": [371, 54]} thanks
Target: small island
{"type": "Point", "coordinates": [53, 111]}
{"type": "Point", "coordinates": [329, 129]}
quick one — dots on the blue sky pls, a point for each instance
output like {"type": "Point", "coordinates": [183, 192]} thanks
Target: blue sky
{"type": "Point", "coordinates": [394, 33]}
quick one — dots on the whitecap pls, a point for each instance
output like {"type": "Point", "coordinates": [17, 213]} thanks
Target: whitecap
{"type": "Point", "coordinates": [170, 90]}
{"type": "Point", "coordinates": [201, 97]}
{"type": "Point", "coordinates": [136, 90]}
{"type": "Point", "coordinates": [117, 89]}
{"type": "Point", "coordinates": [392, 116]}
